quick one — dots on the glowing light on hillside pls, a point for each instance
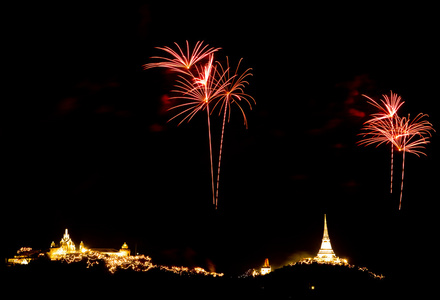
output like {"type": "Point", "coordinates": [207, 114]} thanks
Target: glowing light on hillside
{"type": "Point", "coordinates": [138, 263]}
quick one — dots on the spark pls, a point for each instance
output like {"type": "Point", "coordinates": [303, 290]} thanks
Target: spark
{"type": "Point", "coordinates": [387, 110]}
{"type": "Point", "coordinates": [231, 94]}
{"type": "Point", "coordinates": [180, 61]}
{"type": "Point", "coordinates": [197, 92]}
{"type": "Point", "coordinates": [197, 87]}
{"type": "Point", "coordinates": [405, 134]}
{"type": "Point", "coordinates": [411, 136]}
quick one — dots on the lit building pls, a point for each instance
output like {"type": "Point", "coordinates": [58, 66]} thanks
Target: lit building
{"type": "Point", "coordinates": [266, 269]}
{"type": "Point", "coordinates": [67, 246]}
{"type": "Point", "coordinates": [24, 256]}
{"type": "Point", "coordinates": [326, 253]}
{"type": "Point", "coordinates": [124, 251]}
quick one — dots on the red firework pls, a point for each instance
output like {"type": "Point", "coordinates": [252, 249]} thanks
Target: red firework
{"type": "Point", "coordinates": [411, 136]}
{"type": "Point", "coordinates": [406, 135]}
{"type": "Point", "coordinates": [388, 108]}
{"type": "Point", "coordinates": [181, 61]}
{"type": "Point", "coordinates": [199, 86]}
{"type": "Point", "coordinates": [197, 92]}
{"type": "Point", "coordinates": [232, 93]}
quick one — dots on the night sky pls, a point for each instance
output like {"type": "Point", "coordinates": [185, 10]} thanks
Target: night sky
{"type": "Point", "coordinates": [86, 144]}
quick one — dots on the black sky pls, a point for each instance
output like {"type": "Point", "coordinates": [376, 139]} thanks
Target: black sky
{"type": "Point", "coordinates": [86, 147]}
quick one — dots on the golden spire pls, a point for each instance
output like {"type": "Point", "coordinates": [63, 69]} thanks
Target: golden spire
{"type": "Point", "coordinates": [326, 252]}
{"type": "Point", "coordinates": [266, 263]}
{"type": "Point", "coordinates": [325, 236]}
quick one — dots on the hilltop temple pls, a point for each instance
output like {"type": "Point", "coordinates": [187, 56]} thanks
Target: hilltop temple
{"type": "Point", "coordinates": [326, 253]}
{"type": "Point", "coordinates": [67, 246]}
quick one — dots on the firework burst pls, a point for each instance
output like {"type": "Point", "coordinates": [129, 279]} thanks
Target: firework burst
{"type": "Point", "coordinates": [197, 93]}
{"type": "Point", "coordinates": [386, 127]}
{"type": "Point", "coordinates": [388, 108]}
{"type": "Point", "coordinates": [411, 137]}
{"type": "Point", "coordinates": [181, 61]}
{"type": "Point", "coordinates": [232, 93]}
{"type": "Point", "coordinates": [198, 86]}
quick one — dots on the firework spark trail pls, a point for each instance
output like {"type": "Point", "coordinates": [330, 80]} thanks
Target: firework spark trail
{"type": "Point", "coordinates": [181, 62]}
{"type": "Point", "coordinates": [220, 159]}
{"type": "Point", "coordinates": [198, 92]}
{"type": "Point", "coordinates": [203, 80]}
{"type": "Point", "coordinates": [197, 87]}
{"type": "Point", "coordinates": [210, 157]}
{"type": "Point", "coordinates": [402, 133]}
{"type": "Point", "coordinates": [401, 183]}
{"type": "Point", "coordinates": [387, 110]}
{"type": "Point", "coordinates": [405, 134]}
{"type": "Point", "coordinates": [392, 168]}
{"type": "Point", "coordinates": [411, 136]}
{"type": "Point", "coordinates": [232, 93]}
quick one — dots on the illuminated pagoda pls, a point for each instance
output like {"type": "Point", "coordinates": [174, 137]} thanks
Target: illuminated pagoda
{"type": "Point", "coordinates": [66, 247]}
{"type": "Point", "coordinates": [266, 269]}
{"type": "Point", "coordinates": [326, 253]}
{"type": "Point", "coordinates": [66, 243]}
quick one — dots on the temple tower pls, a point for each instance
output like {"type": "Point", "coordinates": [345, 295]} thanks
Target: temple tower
{"type": "Point", "coordinates": [326, 253]}
{"type": "Point", "coordinates": [66, 243]}
{"type": "Point", "coordinates": [125, 251]}
{"type": "Point", "coordinates": [266, 269]}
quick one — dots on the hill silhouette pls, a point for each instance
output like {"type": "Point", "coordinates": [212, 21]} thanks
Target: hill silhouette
{"type": "Point", "coordinates": [318, 280]}
{"type": "Point", "coordinates": [44, 277]}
